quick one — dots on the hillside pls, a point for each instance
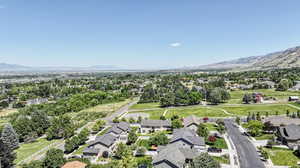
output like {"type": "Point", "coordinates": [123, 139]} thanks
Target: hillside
{"type": "Point", "coordinates": [283, 59]}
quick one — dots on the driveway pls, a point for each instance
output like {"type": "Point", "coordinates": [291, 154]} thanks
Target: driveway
{"type": "Point", "coordinates": [247, 154]}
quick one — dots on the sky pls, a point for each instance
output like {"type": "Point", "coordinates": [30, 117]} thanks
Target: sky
{"type": "Point", "coordinates": [144, 33]}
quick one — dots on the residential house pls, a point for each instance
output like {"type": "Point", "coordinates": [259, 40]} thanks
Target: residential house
{"type": "Point", "coordinates": [278, 121]}
{"type": "Point", "coordinates": [120, 130]}
{"type": "Point", "coordinates": [101, 144]}
{"type": "Point", "coordinates": [36, 101]}
{"type": "Point", "coordinates": [258, 97]}
{"type": "Point", "coordinates": [290, 135]}
{"type": "Point", "coordinates": [191, 122]}
{"type": "Point", "coordinates": [149, 126]}
{"type": "Point", "coordinates": [188, 138]}
{"type": "Point", "coordinates": [172, 156]}
{"type": "Point", "coordinates": [296, 87]}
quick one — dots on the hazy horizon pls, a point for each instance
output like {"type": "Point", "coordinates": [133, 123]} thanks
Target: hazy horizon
{"type": "Point", "coordinates": [143, 34]}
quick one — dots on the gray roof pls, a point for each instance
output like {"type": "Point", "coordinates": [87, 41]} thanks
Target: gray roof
{"type": "Point", "coordinates": [282, 120]}
{"type": "Point", "coordinates": [290, 132]}
{"type": "Point", "coordinates": [187, 121]}
{"type": "Point", "coordinates": [88, 150]}
{"type": "Point", "coordinates": [173, 155]}
{"type": "Point", "coordinates": [187, 135]}
{"type": "Point", "coordinates": [106, 140]}
{"type": "Point", "coordinates": [118, 128]}
{"type": "Point", "coordinates": [156, 123]}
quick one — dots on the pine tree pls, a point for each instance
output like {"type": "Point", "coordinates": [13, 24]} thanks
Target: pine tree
{"type": "Point", "coordinates": [7, 156]}
{"type": "Point", "coordinates": [9, 137]}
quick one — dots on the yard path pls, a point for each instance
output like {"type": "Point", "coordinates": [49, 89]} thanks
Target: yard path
{"type": "Point", "coordinates": [60, 145]}
{"type": "Point", "coordinates": [165, 112]}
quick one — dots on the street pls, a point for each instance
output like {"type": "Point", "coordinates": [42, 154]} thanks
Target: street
{"type": "Point", "coordinates": [247, 154]}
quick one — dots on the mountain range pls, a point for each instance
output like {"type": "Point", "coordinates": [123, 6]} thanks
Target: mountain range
{"type": "Point", "coordinates": [288, 58]}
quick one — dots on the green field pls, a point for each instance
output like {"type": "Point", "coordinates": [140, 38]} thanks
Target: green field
{"type": "Point", "coordinates": [153, 114]}
{"type": "Point", "coordinates": [222, 159]}
{"type": "Point", "coordinates": [220, 143]}
{"type": "Point", "coordinates": [26, 150]}
{"type": "Point", "coordinates": [144, 106]}
{"type": "Point", "coordinates": [199, 111]}
{"type": "Point", "coordinates": [264, 137]}
{"type": "Point", "coordinates": [262, 108]}
{"type": "Point", "coordinates": [282, 157]}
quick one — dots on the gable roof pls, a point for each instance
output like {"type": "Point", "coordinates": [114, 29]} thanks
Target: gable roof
{"type": "Point", "coordinates": [106, 140]}
{"type": "Point", "coordinates": [88, 150]}
{"type": "Point", "coordinates": [282, 120]}
{"type": "Point", "coordinates": [174, 155]}
{"type": "Point", "coordinates": [187, 121]}
{"type": "Point", "coordinates": [156, 123]}
{"type": "Point", "coordinates": [118, 128]}
{"type": "Point", "coordinates": [187, 135]}
{"type": "Point", "coordinates": [290, 132]}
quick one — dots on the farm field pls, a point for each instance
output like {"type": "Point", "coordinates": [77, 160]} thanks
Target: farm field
{"type": "Point", "coordinates": [200, 111]}
{"type": "Point", "coordinates": [144, 106]}
{"type": "Point", "coordinates": [243, 110]}
{"type": "Point", "coordinates": [26, 150]}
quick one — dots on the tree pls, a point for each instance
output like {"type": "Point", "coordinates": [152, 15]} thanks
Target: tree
{"type": "Point", "coordinates": [98, 125]}
{"type": "Point", "coordinates": [204, 161]}
{"type": "Point", "coordinates": [218, 95]}
{"type": "Point", "coordinates": [69, 146]}
{"type": "Point", "coordinates": [140, 151]}
{"type": "Point", "coordinates": [83, 136]}
{"type": "Point", "coordinates": [221, 128]}
{"type": "Point", "coordinates": [247, 98]}
{"type": "Point", "coordinates": [9, 137]}
{"type": "Point", "coordinates": [132, 137]}
{"type": "Point", "coordinates": [177, 123]}
{"type": "Point", "coordinates": [238, 120]}
{"type": "Point", "coordinates": [162, 117]}
{"type": "Point", "coordinates": [202, 130]}
{"type": "Point", "coordinates": [255, 127]}
{"type": "Point", "coordinates": [7, 156]}
{"type": "Point", "coordinates": [158, 139]}
{"type": "Point", "coordinates": [284, 85]}
{"type": "Point", "coordinates": [121, 151]}
{"type": "Point", "coordinates": [54, 158]}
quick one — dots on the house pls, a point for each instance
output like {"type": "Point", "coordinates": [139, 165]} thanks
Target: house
{"type": "Point", "coordinates": [36, 101]}
{"type": "Point", "coordinates": [149, 126]}
{"type": "Point", "coordinates": [191, 122]}
{"type": "Point", "coordinates": [101, 144]}
{"type": "Point", "coordinates": [293, 98]}
{"type": "Point", "coordinates": [74, 164]}
{"type": "Point", "coordinates": [172, 156]}
{"type": "Point", "coordinates": [120, 130]}
{"type": "Point", "coordinates": [296, 87]}
{"type": "Point", "coordinates": [258, 97]}
{"type": "Point", "coordinates": [289, 135]}
{"type": "Point", "coordinates": [188, 138]}
{"type": "Point", "coordinates": [278, 121]}
{"type": "Point", "coordinates": [268, 84]}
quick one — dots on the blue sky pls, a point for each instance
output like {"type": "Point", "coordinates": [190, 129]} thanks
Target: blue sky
{"type": "Point", "coordinates": [144, 33]}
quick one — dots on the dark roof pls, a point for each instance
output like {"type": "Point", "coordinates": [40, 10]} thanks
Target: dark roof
{"type": "Point", "coordinates": [156, 123]}
{"type": "Point", "coordinates": [118, 128]}
{"type": "Point", "coordinates": [290, 132]}
{"type": "Point", "coordinates": [187, 121]}
{"type": "Point", "coordinates": [188, 135]}
{"type": "Point", "coordinates": [174, 155]}
{"type": "Point", "coordinates": [88, 150]}
{"type": "Point", "coordinates": [106, 140]}
{"type": "Point", "coordinates": [282, 120]}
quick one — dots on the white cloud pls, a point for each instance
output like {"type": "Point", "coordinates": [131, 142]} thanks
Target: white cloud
{"type": "Point", "coordinates": [177, 44]}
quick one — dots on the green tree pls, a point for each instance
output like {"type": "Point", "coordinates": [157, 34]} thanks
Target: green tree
{"type": "Point", "coordinates": [204, 161]}
{"type": "Point", "coordinates": [202, 130]}
{"type": "Point", "coordinates": [158, 139]}
{"type": "Point", "coordinates": [177, 123]}
{"type": "Point", "coordinates": [255, 127]}
{"type": "Point", "coordinates": [247, 98]}
{"type": "Point", "coordinates": [238, 120]}
{"type": "Point", "coordinates": [7, 156]}
{"type": "Point", "coordinates": [132, 137]}
{"type": "Point", "coordinates": [9, 137]}
{"type": "Point", "coordinates": [54, 158]}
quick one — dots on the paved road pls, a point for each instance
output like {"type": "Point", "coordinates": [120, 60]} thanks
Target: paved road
{"type": "Point", "coordinates": [119, 112]}
{"type": "Point", "coordinates": [248, 157]}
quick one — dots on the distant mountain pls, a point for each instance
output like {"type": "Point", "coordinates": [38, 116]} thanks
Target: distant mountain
{"type": "Point", "coordinates": [17, 68]}
{"type": "Point", "coordinates": [283, 59]}
{"type": "Point", "coordinates": [13, 67]}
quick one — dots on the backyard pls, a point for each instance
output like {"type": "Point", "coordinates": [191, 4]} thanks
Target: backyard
{"type": "Point", "coordinates": [283, 157]}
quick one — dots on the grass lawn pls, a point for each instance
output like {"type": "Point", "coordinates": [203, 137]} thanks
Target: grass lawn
{"type": "Point", "coordinates": [5, 112]}
{"type": "Point", "coordinates": [144, 106]}
{"type": "Point", "coordinates": [211, 126]}
{"type": "Point", "coordinates": [199, 111]}
{"type": "Point", "coordinates": [220, 143]}
{"type": "Point", "coordinates": [222, 159]}
{"type": "Point", "coordinates": [153, 114]}
{"type": "Point", "coordinates": [102, 132]}
{"type": "Point", "coordinates": [26, 150]}
{"type": "Point", "coordinates": [144, 143]}
{"type": "Point", "coordinates": [110, 107]}
{"type": "Point", "coordinates": [283, 157]}
{"type": "Point", "coordinates": [264, 137]}
{"type": "Point", "coordinates": [262, 108]}
{"type": "Point", "coordinates": [80, 150]}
